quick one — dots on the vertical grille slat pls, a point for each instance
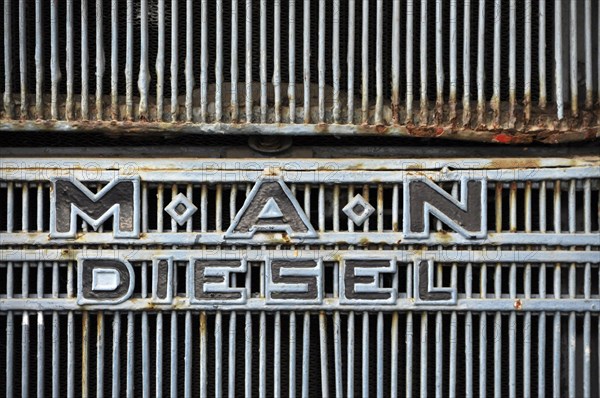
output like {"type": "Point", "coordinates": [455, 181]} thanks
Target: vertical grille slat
{"type": "Point", "coordinates": [321, 61]}
{"type": "Point", "coordinates": [573, 57]}
{"type": "Point", "coordinates": [146, 363]}
{"type": "Point", "coordinates": [160, 62]}
{"type": "Point", "coordinates": [22, 57]}
{"type": "Point", "coordinates": [542, 56]}
{"type": "Point", "coordinates": [453, 55]}
{"type": "Point", "coordinates": [100, 356]}
{"type": "Point", "coordinates": [495, 100]}
{"type": "Point", "coordinates": [219, 64]}
{"type": "Point", "coordinates": [129, 62]}
{"type": "Point", "coordinates": [85, 94]}
{"type": "Point", "coordinates": [130, 378]}
{"type": "Point", "coordinates": [248, 377]}
{"type": "Point", "coordinates": [423, 99]}
{"type": "Point", "coordinates": [306, 60]}
{"type": "Point", "coordinates": [38, 59]}
{"type": "Point", "coordinates": [365, 62]}
{"type": "Point", "coordinates": [100, 57]}
{"type": "Point", "coordinates": [203, 60]}
{"type": "Point", "coordinates": [512, 84]}
{"type": "Point", "coordinates": [115, 360]}
{"type": "Point", "coordinates": [350, 60]}
{"type": "Point", "coordinates": [558, 62]}
{"type": "Point", "coordinates": [469, 326]}
{"type": "Point", "coordinates": [556, 346]}
{"type": "Point", "coordinates": [69, 114]}
{"type": "Point", "coordinates": [144, 75]}
{"type": "Point", "coordinates": [8, 102]}
{"type": "Point", "coordinates": [174, 355]}
{"type": "Point", "coordinates": [174, 58]}
{"type": "Point", "coordinates": [439, 61]}
{"type": "Point", "coordinates": [263, 61]}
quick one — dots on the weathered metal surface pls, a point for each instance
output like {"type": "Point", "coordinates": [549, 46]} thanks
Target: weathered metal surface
{"type": "Point", "coordinates": [549, 134]}
{"type": "Point", "coordinates": [264, 280]}
{"type": "Point", "coordinates": [409, 192]}
{"type": "Point", "coordinates": [323, 101]}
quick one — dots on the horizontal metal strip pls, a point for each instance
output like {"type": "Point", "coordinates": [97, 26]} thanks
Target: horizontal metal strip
{"type": "Point", "coordinates": [306, 129]}
{"type": "Point", "coordinates": [124, 165]}
{"type": "Point", "coordinates": [327, 238]}
{"type": "Point", "coordinates": [329, 304]}
{"type": "Point", "coordinates": [305, 148]}
{"type": "Point", "coordinates": [327, 174]}
{"type": "Point", "coordinates": [258, 254]}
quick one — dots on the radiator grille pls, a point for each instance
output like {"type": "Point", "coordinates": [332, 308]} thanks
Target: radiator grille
{"type": "Point", "coordinates": [471, 376]}
{"type": "Point", "coordinates": [488, 71]}
{"type": "Point", "coordinates": [525, 320]}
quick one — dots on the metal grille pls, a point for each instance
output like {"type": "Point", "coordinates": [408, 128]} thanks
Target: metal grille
{"type": "Point", "coordinates": [486, 71]}
{"type": "Point", "coordinates": [525, 320]}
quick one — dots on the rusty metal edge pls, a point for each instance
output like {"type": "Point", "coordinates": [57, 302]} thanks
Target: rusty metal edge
{"type": "Point", "coordinates": [496, 136]}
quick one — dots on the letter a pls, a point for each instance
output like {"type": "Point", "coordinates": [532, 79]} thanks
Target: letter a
{"type": "Point", "coordinates": [270, 207]}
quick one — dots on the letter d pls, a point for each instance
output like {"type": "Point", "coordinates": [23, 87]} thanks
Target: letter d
{"type": "Point", "coordinates": [103, 280]}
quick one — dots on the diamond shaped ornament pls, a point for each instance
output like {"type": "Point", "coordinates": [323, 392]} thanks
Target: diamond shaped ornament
{"type": "Point", "coordinates": [181, 209]}
{"type": "Point", "coordinates": [358, 210]}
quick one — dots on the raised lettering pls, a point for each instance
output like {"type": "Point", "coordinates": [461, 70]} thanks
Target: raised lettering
{"type": "Point", "coordinates": [466, 216]}
{"type": "Point", "coordinates": [270, 207]}
{"type": "Point", "coordinates": [425, 290]}
{"type": "Point", "coordinates": [294, 281]}
{"type": "Point", "coordinates": [103, 280]}
{"type": "Point", "coordinates": [70, 199]}
{"type": "Point", "coordinates": [210, 280]}
{"type": "Point", "coordinates": [360, 282]}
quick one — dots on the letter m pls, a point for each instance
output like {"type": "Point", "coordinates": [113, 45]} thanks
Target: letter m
{"type": "Point", "coordinates": [465, 215]}
{"type": "Point", "coordinates": [119, 199]}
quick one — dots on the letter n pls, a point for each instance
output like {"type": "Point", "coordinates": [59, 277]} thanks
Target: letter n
{"type": "Point", "coordinates": [70, 199]}
{"type": "Point", "coordinates": [466, 215]}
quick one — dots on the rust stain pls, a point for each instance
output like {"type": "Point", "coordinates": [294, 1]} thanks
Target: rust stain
{"type": "Point", "coordinates": [203, 323]}
{"type": "Point", "coordinates": [445, 237]}
{"type": "Point", "coordinates": [518, 304]}
{"type": "Point", "coordinates": [527, 107]}
{"type": "Point", "coordinates": [381, 129]}
{"type": "Point", "coordinates": [99, 323]}
{"type": "Point", "coordinates": [566, 137]}
{"type": "Point", "coordinates": [322, 128]}
{"type": "Point", "coordinates": [395, 108]}
{"type": "Point", "coordinates": [515, 163]}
